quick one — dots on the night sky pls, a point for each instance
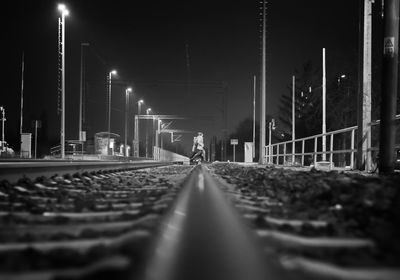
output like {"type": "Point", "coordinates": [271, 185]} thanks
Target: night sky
{"type": "Point", "coordinates": [148, 43]}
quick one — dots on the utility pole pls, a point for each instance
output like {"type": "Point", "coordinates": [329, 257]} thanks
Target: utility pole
{"type": "Point", "coordinates": [81, 92]}
{"type": "Point", "coordinates": [323, 105]}
{"type": "Point", "coordinates": [389, 87]}
{"type": "Point", "coordinates": [254, 117]}
{"type": "Point", "coordinates": [263, 88]}
{"type": "Point", "coordinates": [64, 12]}
{"type": "Point", "coordinates": [3, 119]}
{"type": "Point", "coordinates": [22, 103]}
{"type": "Point", "coordinates": [364, 114]}
{"type": "Point", "coordinates": [293, 118]}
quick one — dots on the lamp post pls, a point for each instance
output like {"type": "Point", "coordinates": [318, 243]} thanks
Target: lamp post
{"type": "Point", "coordinates": [147, 144]}
{"type": "Point", "coordinates": [293, 119]}
{"type": "Point", "coordinates": [140, 102]}
{"type": "Point", "coordinates": [323, 106]}
{"type": "Point", "coordinates": [64, 12]}
{"type": "Point", "coordinates": [3, 119]}
{"type": "Point", "coordinates": [113, 72]}
{"type": "Point", "coordinates": [127, 91]}
{"type": "Point", "coordinates": [81, 92]}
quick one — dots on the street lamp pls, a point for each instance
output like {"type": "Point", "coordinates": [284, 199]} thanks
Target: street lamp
{"type": "Point", "coordinates": [64, 12]}
{"type": "Point", "coordinates": [147, 112]}
{"type": "Point", "coordinates": [3, 119]}
{"type": "Point", "coordinates": [127, 91]}
{"type": "Point", "coordinates": [136, 136]}
{"type": "Point", "coordinates": [113, 72]}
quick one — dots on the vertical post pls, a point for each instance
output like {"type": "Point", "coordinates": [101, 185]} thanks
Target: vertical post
{"type": "Point", "coordinates": [22, 101]}
{"type": "Point", "coordinates": [234, 153]}
{"type": "Point", "coordinates": [152, 134]}
{"type": "Point", "coordinates": [263, 89]}
{"type": "Point", "coordinates": [126, 122]}
{"type": "Point", "coordinates": [269, 142]}
{"type": "Point", "coordinates": [109, 113]}
{"type": "Point", "coordinates": [352, 148]}
{"type": "Point", "coordinates": [364, 116]}
{"type": "Point", "coordinates": [136, 137]}
{"type": "Point", "coordinates": [80, 96]}
{"type": "Point", "coordinates": [315, 150]}
{"type": "Point", "coordinates": [293, 117]}
{"type": "Point", "coordinates": [389, 87]}
{"type": "Point", "coordinates": [3, 119]}
{"type": "Point", "coordinates": [62, 136]}
{"type": "Point", "coordinates": [284, 154]}
{"type": "Point", "coordinates": [81, 92]}
{"type": "Point", "coordinates": [36, 126]}
{"type": "Point", "coordinates": [323, 106]}
{"type": "Point", "coordinates": [254, 118]}
{"type": "Point", "coordinates": [302, 152]}
{"type": "Point", "coordinates": [331, 149]}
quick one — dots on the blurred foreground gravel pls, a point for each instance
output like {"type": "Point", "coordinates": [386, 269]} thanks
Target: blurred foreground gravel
{"type": "Point", "coordinates": [352, 205]}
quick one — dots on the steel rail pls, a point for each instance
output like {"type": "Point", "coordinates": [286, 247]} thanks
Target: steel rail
{"type": "Point", "coordinates": [204, 238]}
{"type": "Point", "coordinates": [13, 171]}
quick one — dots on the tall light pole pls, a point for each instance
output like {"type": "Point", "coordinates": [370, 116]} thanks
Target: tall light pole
{"type": "Point", "coordinates": [254, 117]}
{"type": "Point", "coordinates": [323, 106]}
{"type": "Point", "coordinates": [127, 91]}
{"type": "Point", "coordinates": [147, 144]}
{"type": "Point", "coordinates": [81, 92]}
{"type": "Point", "coordinates": [3, 119]}
{"type": "Point", "coordinates": [22, 102]}
{"type": "Point", "coordinates": [293, 118]}
{"type": "Point", "coordinates": [64, 12]}
{"type": "Point", "coordinates": [263, 88]}
{"type": "Point", "coordinates": [113, 72]}
{"type": "Point", "coordinates": [136, 136]}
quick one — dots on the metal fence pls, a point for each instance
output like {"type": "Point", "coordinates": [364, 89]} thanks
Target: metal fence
{"type": "Point", "coordinates": [340, 149]}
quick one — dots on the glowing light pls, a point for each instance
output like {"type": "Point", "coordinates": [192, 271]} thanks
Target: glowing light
{"type": "Point", "coordinates": [63, 9]}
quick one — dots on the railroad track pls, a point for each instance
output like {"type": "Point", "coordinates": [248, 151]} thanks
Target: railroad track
{"type": "Point", "coordinates": [173, 222]}
{"type": "Point", "coordinates": [14, 170]}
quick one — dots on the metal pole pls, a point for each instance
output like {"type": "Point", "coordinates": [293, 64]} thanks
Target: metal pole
{"type": "Point", "coordinates": [254, 118]}
{"type": "Point", "coordinates": [62, 140]}
{"type": "Point", "coordinates": [81, 92]}
{"type": "Point", "coordinates": [389, 86]}
{"type": "Point", "coordinates": [36, 125]}
{"type": "Point", "coordinates": [293, 117]}
{"type": "Point", "coordinates": [135, 146]}
{"type": "Point", "coordinates": [234, 159]}
{"type": "Point", "coordinates": [137, 132]}
{"type": "Point", "coordinates": [22, 93]}
{"type": "Point", "coordinates": [365, 87]}
{"type": "Point", "coordinates": [269, 142]}
{"type": "Point", "coordinates": [3, 118]}
{"type": "Point", "coordinates": [147, 137]}
{"type": "Point", "coordinates": [263, 90]}
{"type": "Point", "coordinates": [126, 122]}
{"type": "Point", "coordinates": [22, 103]}
{"type": "Point", "coordinates": [323, 106]}
{"type": "Point", "coordinates": [109, 113]}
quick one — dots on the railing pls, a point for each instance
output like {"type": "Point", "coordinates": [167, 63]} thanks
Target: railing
{"type": "Point", "coordinates": [278, 153]}
{"type": "Point", "coordinates": [164, 155]}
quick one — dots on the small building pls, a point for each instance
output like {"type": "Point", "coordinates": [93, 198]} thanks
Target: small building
{"type": "Point", "coordinates": [101, 141]}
